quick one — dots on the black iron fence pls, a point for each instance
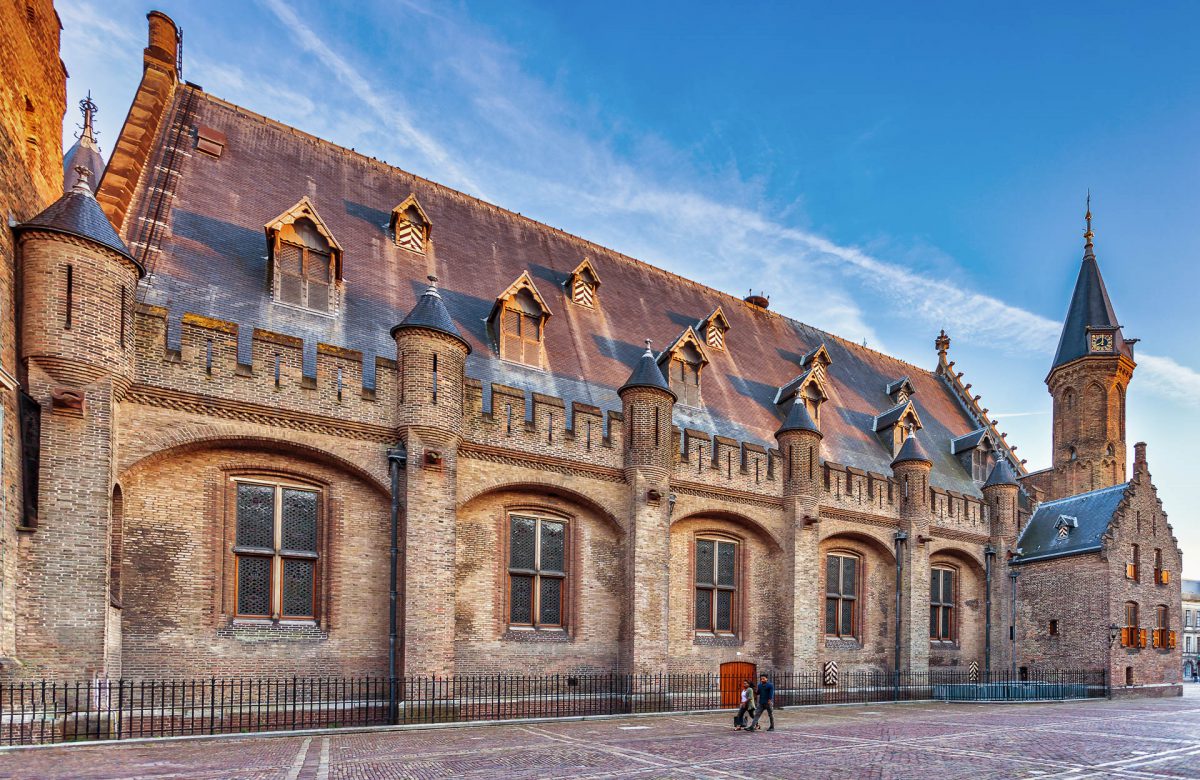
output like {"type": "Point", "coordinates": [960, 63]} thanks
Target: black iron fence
{"type": "Point", "coordinates": [38, 712]}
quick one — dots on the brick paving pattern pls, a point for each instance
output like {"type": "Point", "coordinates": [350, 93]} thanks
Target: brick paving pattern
{"type": "Point", "coordinates": [1144, 739]}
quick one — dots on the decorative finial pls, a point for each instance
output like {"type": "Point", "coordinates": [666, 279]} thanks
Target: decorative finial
{"type": "Point", "coordinates": [942, 343]}
{"type": "Point", "coordinates": [83, 183]}
{"type": "Point", "coordinates": [432, 288]}
{"type": "Point", "coordinates": [648, 350]}
{"type": "Point", "coordinates": [1088, 235]}
{"type": "Point", "coordinates": [89, 109]}
{"type": "Point", "coordinates": [432, 280]}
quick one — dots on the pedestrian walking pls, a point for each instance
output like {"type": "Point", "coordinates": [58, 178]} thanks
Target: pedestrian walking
{"type": "Point", "coordinates": [748, 699]}
{"type": "Point", "coordinates": [765, 695]}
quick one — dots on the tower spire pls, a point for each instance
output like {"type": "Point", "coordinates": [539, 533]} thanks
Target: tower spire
{"type": "Point", "coordinates": [89, 109]}
{"type": "Point", "coordinates": [1088, 235]}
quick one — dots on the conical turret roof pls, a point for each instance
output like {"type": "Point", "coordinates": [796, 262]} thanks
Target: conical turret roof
{"type": "Point", "coordinates": [1002, 474]}
{"type": "Point", "coordinates": [798, 419]}
{"type": "Point", "coordinates": [430, 314]}
{"type": "Point", "coordinates": [1090, 310]}
{"type": "Point", "coordinates": [646, 373]}
{"type": "Point", "coordinates": [78, 214]}
{"type": "Point", "coordinates": [911, 451]}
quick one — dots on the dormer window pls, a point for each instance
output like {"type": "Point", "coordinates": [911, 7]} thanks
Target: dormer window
{"type": "Point", "coordinates": [410, 226]}
{"type": "Point", "coordinates": [519, 321]}
{"type": "Point", "coordinates": [583, 284]}
{"type": "Point", "coordinates": [894, 424]}
{"type": "Point", "coordinates": [685, 375]}
{"type": "Point", "coordinates": [305, 260]}
{"type": "Point", "coordinates": [1063, 526]}
{"type": "Point", "coordinates": [811, 386]}
{"type": "Point", "coordinates": [682, 363]}
{"type": "Point", "coordinates": [714, 327]}
{"type": "Point", "coordinates": [900, 390]}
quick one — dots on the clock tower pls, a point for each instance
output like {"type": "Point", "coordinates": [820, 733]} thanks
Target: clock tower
{"type": "Point", "coordinates": [1088, 381]}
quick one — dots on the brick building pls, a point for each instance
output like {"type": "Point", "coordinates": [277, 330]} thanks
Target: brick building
{"type": "Point", "coordinates": [260, 358]}
{"type": "Point", "coordinates": [1191, 628]}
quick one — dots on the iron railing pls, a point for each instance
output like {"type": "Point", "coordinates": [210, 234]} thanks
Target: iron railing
{"type": "Point", "coordinates": [44, 711]}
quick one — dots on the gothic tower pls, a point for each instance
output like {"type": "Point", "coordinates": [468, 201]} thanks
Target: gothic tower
{"type": "Point", "coordinates": [1088, 380]}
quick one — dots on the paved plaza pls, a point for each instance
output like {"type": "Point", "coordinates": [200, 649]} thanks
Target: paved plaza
{"type": "Point", "coordinates": [1137, 738]}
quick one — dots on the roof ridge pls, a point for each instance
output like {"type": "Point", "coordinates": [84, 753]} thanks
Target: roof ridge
{"type": "Point", "coordinates": [1121, 485]}
{"type": "Point", "coordinates": [241, 110]}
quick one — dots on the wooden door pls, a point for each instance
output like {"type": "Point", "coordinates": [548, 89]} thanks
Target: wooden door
{"type": "Point", "coordinates": [733, 674]}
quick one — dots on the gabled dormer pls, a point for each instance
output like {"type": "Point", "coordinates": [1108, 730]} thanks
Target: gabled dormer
{"type": "Point", "coordinates": [975, 451]}
{"type": "Point", "coordinates": [410, 226]}
{"type": "Point", "coordinates": [713, 328]}
{"type": "Point", "coordinates": [583, 284]}
{"type": "Point", "coordinates": [893, 425]}
{"type": "Point", "coordinates": [304, 260]}
{"type": "Point", "coordinates": [1063, 527]}
{"type": "Point", "coordinates": [682, 363]}
{"type": "Point", "coordinates": [812, 387]}
{"type": "Point", "coordinates": [900, 390]}
{"type": "Point", "coordinates": [518, 321]}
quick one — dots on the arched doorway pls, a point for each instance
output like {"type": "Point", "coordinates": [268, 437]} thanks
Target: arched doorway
{"type": "Point", "coordinates": [732, 676]}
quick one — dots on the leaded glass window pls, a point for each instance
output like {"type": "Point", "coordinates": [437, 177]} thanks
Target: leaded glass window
{"type": "Point", "coordinates": [941, 605]}
{"type": "Point", "coordinates": [275, 546]}
{"type": "Point", "coordinates": [537, 571]}
{"type": "Point", "coordinates": [716, 585]}
{"type": "Point", "coordinates": [841, 595]}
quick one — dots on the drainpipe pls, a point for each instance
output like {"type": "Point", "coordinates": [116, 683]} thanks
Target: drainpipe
{"type": "Point", "coordinates": [1012, 635]}
{"type": "Point", "coordinates": [989, 553]}
{"type": "Point", "coordinates": [900, 538]}
{"type": "Point", "coordinates": [397, 460]}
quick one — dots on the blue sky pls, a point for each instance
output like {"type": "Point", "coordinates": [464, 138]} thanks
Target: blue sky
{"type": "Point", "coordinates": [881, 170]}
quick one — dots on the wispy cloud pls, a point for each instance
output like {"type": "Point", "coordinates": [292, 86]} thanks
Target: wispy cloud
{"type": "Point", "coordinates": [390, 110]}
{"type": "Point", "coordinates": [516, 138]}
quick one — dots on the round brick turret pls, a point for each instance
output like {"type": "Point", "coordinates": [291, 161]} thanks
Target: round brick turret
{"type": "Point", "coordinates": [78, 282]}
{"type": "Point", "coordinates": [1000, 492]}
{"type": "Point", "coordinates": [647, 402]}
{"type": "Point", "coordinates": [911, 468]}
{"type": "Point", "coordinates": [431, 355]}
{"type": "Point", "coordinates": [800, 447]}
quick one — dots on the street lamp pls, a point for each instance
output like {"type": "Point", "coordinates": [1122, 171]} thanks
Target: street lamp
{"type": "Point", "coordinates": [1113, 632]}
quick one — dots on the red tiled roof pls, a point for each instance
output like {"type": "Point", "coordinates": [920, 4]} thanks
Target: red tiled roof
{"type": "Point", "coordinates": [214, 263]}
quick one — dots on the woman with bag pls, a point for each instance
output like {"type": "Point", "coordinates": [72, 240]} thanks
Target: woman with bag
{"type": "Point", "coordinates": [748, 700]}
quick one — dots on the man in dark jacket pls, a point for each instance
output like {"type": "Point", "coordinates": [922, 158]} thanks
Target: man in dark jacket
{"type": "Point", "coordinates": [766, 702]}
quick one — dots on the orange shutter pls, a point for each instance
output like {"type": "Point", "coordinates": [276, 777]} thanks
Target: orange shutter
{"type": "Point", "coordinates": [1141, 637]}
{"type": "Point", "coordinates": [1171, 640]}
{"type": "Point", "coordinates": [1156, 637]}
{"type": "Point", "coordinates": [1126, 636]}
{"type": "Point", "coordinates": [1166, 577]}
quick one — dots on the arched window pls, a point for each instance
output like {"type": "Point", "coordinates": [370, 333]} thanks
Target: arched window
{"type": "Point", "coordinates": [1110, 451]}
{"type": "Point", "coordinates": [116, 546]}
{"type": "Point", "coordinates": [716, 585]}
{"type": "Point", "coordinates": [1072, 454]}
{"type": "Point", "coordinates": [304, 267]}
{"type": "Point", "coordinates": [521, 329]}
{"type": "Point", "coordinates": [276, 549]}
{"type": "Point", "coordinates": [537, 571]}
{"type": "Point", "coordinates": [841, 594]}
{"type": "Point", "coordinates": [1131, 632]}
{"type": "Point", "coordinates": [942, 593]}
{"type": "Point", "coordinates": [1163, 638]}
{"type": "Point", "coordinates": [1069, 400]}
{"type": "Point", "coordinates": [685, 375]}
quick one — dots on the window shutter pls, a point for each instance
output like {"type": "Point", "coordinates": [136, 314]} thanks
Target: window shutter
{"type": "Point", "coordinates": [583, 293]}
{"type": "Point", "coordinates": [716, 336]}
{"type": "Point", "coordinates": [289, 263]}
{"type": "Point", "coordinates": [410, 235]}
{"type": "Point", "coordinates": [510, 335]}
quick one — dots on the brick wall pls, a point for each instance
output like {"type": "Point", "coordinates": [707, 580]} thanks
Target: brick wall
{"type": "Point", "coordinates": [32, 102]}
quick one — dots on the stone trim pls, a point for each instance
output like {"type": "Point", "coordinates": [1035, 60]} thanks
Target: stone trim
{"type": "Point", "coordinates": [477, 451]}
{"type": "Point", "coordinates": [726, 494]}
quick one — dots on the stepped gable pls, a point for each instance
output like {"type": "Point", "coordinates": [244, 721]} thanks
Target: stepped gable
{"type": "Point", "coordinates": [214, 263]}
{"type": "Point", "coordinates": [1087, 516]}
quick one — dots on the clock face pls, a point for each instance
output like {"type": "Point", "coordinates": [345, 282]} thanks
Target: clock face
{"type": "Point", "coordinates": [1102, 342]}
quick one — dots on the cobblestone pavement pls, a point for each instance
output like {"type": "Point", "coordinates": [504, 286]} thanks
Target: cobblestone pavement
{"type": "Point", "coordinates": [1140, 739]}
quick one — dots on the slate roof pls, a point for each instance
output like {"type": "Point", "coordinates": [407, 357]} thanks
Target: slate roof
{"type": "Point", "coordinates": [968, 441]}
{"type": "Point", "coordinates": [1090, 308]}
{"type": "Point", "coordinates": [1093, 511]}
{"type": "Point", "coordinates": [77, 213]}
{"type": "Point", "coordinates": [214, 263]}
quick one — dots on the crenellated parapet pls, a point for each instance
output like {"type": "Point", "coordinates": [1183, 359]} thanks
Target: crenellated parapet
{"type": "Point", "coordinates": [206, 363]}
{"type": "Point", "coordinates": [720, 461]}
{"type": "Point", "coordinates": [541, 425]}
